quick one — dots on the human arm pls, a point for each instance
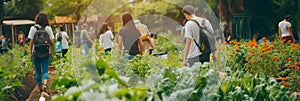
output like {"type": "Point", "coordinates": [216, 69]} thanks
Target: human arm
{"type": "Point", "coordinates": [141, 46]}
{"type": "Point", "coordinates": [89, 38]}
{"type": "Point", "coordinates": [279, 32]}
{"type": "Point", "coordinates": [111, 36]}
{"type": "Point", "coordinates": [120, 43]}
{"type": "Point", "coordinates": [186, 50]}
{"type": "Point", "coordinates": [31, 47]}
{"type": "Point", "coordinates": [291, 32]}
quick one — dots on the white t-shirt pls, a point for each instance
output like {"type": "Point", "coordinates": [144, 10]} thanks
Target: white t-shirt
{"type": "Point", "coordinates": [48, 29]}
{"type": "Point", "coordinates": [284, 25]}
{"type": "Point", "coordinates": [64, 41]}
{"type": "Point", "coordinates": [105, 40]}
{"type": "Point", "coordinates": [192, 31]}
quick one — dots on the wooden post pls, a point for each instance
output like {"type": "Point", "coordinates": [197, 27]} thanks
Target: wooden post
{"type": "Point", "coordinates": [1, 15]}
{"type": "Point", "coordinates": [12, 34]}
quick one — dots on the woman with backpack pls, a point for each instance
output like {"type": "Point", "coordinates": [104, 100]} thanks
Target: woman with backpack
{"type": "Point", "coordinates": [41, 44]}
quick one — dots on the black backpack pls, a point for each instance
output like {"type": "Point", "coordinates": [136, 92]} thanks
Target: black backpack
{"type": "Point", "coordinates": [41, 42]}
{"type": "Point", "coordinates": [206, 40]}
{"type": "Point", "coordinates": [59, 37]}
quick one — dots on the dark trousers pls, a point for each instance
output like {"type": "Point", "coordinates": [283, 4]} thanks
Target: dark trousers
{"type": "Point", "coordinates": [107, 50]}
{"type": "Point", "coordinates": [201, 58]}
{"type": "Point", "coordinates": [64, 52]}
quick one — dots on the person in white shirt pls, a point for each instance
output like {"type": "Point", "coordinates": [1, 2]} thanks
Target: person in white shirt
{"type": "Point", "coordinates": [106, 38]}
{"type": "Point", "coordinates": [64, 40]}
{"type": "Point", "coordinates": [192, 53]}
{"type": "Point", "coordinates": [285, 30]}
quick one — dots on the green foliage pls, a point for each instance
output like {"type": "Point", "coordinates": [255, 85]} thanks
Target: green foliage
{"type": "Point", "coordinates": [66, 7]}
{"type": "Point", "coordinates": [168, 42]}
{"type": "Point", "coordinates": [15, 66]}
{"type": "Point", "coordinates": [23, 9]}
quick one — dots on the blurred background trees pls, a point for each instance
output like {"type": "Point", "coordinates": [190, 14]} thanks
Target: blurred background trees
{"type": "Point", "coordinates": [262, 15]}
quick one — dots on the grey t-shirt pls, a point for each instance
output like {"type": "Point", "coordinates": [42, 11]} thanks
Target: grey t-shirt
{"type": "Point", "coordinates": [83, 38]}
{"type": "Point", "coordinates": [130, 37]}
{"type": "Point", "coordinates": [192, 31]}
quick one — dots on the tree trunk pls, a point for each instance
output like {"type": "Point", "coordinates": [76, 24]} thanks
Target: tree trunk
{"type": "Point", "coordinates": [225, 17]}
{"type": "Point", "coordinates": [226, 10]}
{"type": "Point", "coordinates": [1, 15]}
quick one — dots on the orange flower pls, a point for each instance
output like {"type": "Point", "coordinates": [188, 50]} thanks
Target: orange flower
{"type": "Point", "coordinates": [225, 42]}
{"type": "Point", "coordinates": [283, 40]}
{"type": "Point", "coordinates": [289, 58]}
{"type": "Point", "coordinates": [285, 84]}
{"type": "Point", "coordinates": [247, 66]}
{"type": "Point", "coordinates": [231, 42]}
{"type": "Point", "coordinates": [272, 47]}
{"type": "Point", "coordinates": [253, 62]}
{"type": "Point", "coordinates": [251, 51]}
{"type": "Point", "coordinates": [238, 44]}
{"type": "Point", "coordinates": [270, 53]}
{"type": "Point", "coordinates": [297, 63]}
{"type": "Point", "coordinates": [290, 41]}
{"type": "Point", "coordinates": [260, 55]}
{"type": "Point", "coordinates": [262, 50]}
{"type": "Point", "coordinates": [268, 48]}
{"type": "Point", "coordinates": [283, 79]}
{"type": "Point", "coordinates": [282, 50]}
{"type": "Point", "coordinates": [276, 58]}
{"type": "Point", "coordinates": [287, 65]}
{"type": "Point", "coordinates": [247, 60]}
{"type": "Point", "coordinates": [237, 49]}
{"type": "Point", "coordinates": [271, 42]}
{"type": "Point", "coordinates": [230, 54]}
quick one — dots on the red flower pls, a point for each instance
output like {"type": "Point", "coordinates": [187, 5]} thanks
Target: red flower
{"type": "Point", "coordinates": [260, 55]}
{"type": "Point", "coordinates": [285, 84]}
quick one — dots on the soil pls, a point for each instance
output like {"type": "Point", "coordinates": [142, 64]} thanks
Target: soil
{"type": "Point", "coordinates": [30, 91]}
{"type": "Point", "coordinates": [22, 93]}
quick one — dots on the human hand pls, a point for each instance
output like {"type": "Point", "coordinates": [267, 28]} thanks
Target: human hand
{"type": "Point", "coordinates": [185, 62]}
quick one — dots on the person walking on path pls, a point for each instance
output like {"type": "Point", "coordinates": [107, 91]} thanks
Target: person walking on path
{"type": "Point", "coordinates": [64, 40]}
{"type": "Point", "coordinates": [86, 40]}
{"type": "Point", "coordinates": [106, 38]}
{"type": "Point", "coordinates": [41, 64]}
{"type": "Point", "coordinates": [192, 53]}
{"type": "Point", "coordinates": [129, 35]}
{"type": "Point", "coordinates": [285, 30]}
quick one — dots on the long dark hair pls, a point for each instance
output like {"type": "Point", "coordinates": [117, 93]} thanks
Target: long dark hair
{"type": "Point", "coordinates": [42, 19]}
{"type": "Point", "coordinates": [104, 28]}
{"type": "Point", "coordinates": [127, 18]}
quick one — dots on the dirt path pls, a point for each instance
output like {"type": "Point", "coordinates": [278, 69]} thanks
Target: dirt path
{"type": "Point", "coordinates": [35, 94]}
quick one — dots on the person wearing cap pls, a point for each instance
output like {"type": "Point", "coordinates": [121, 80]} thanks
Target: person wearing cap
{"type": "Point", "coordinates": [285, 29]}
{"type": "Point", "coordinates": [192, 53]}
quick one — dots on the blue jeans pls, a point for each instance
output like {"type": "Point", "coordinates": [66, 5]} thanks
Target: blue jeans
{"type": "Point", "coordinates": [85, 51]}
{"type": "Point", "coordinates": [41, 68]}
{"type": "Point", "coordinates": [201, 58]}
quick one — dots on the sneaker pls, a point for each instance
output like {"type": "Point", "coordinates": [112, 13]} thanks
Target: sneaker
{"type": "Point", "coordinates": [45, 88]}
